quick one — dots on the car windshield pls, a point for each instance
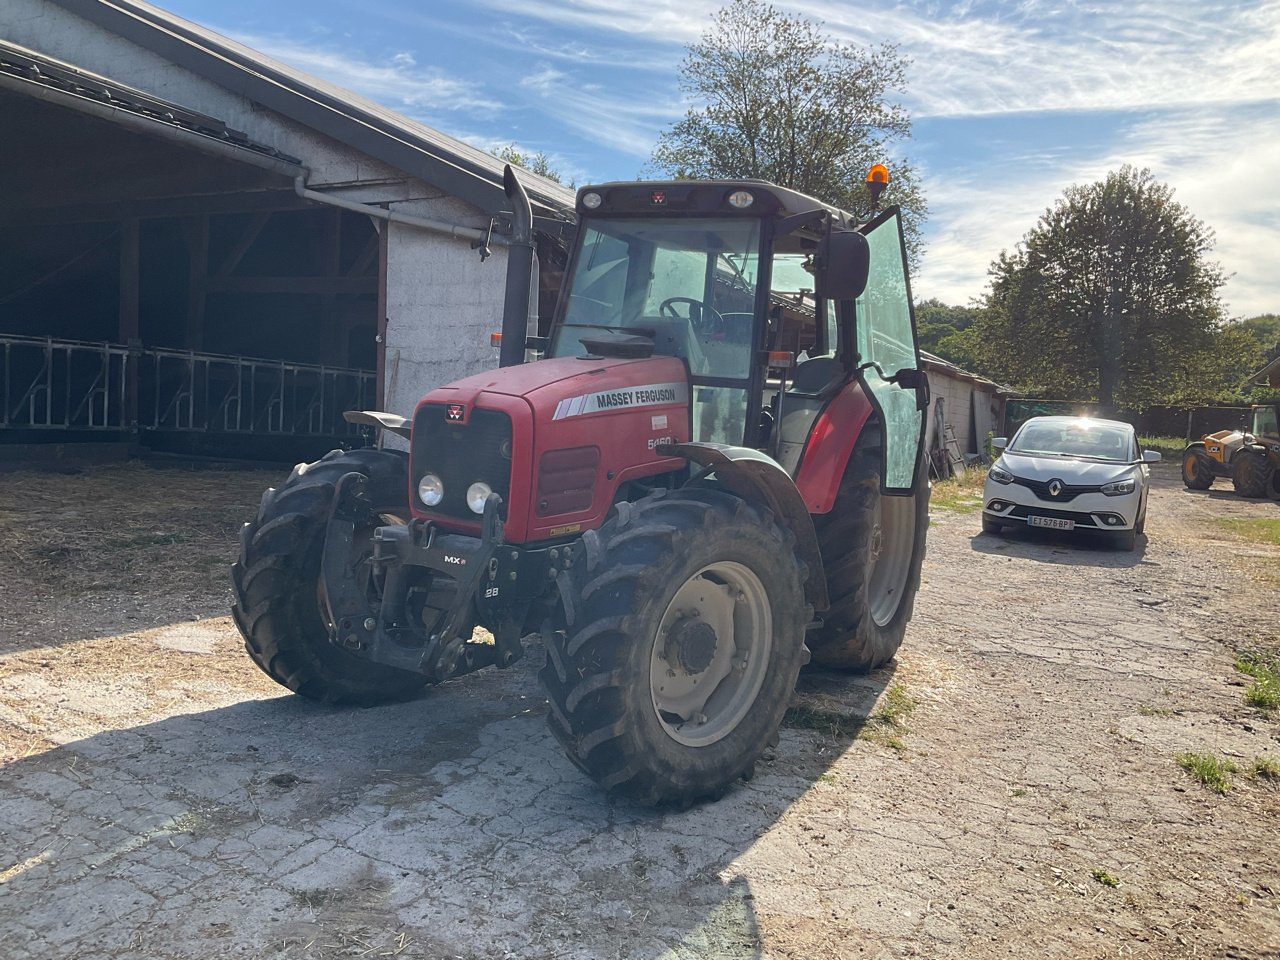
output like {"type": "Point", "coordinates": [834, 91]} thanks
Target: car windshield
{"type": "Point", "coordinates": [1095, 441]}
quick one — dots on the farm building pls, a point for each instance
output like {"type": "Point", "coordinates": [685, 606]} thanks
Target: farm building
{"type": "Point", "coordinates": [963, 410]}
{"type": "Point", "coordinates": [1268, 376]}
{"type": "Point", "coordinates": [204, 248]}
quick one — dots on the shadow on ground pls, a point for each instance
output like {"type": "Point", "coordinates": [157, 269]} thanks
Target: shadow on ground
{"type": "Point", "coordinates": [451, 826]}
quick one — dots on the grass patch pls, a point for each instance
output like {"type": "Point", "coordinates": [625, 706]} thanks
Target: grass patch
{"type": "Point", "coordinates": [1211, 771]}
{"type": "Point", "coordinates": [885, 726]}
{"type": "Point", "coordinates": [1265, 768]}
{"type": "Point", "coordinates": [1171, 448]}
{"type": "Point", "coordinates": [1148, 710]}
{"type": "Point", "coordinates": [1256, 529]}
{"type": "Point", "coordinates": [960, 494]}
{"type": "Point", "coordinates": [1264, 692]}
{"type": "Point", "coordinates": [1104, 878]}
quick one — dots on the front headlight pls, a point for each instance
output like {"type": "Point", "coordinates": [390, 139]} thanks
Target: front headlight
{"type": "Point", "coordinates": [1119, 488]}
{"type": "Point", "coordinates": [1000, 476]}
{"type": "Point", "coordinates": [430, 489]}
{"type": "Point", "coordinates": [477, 494]}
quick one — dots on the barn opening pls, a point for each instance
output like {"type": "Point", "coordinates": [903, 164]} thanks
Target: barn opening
{"type": "Point", "coordinates": [162, 285]}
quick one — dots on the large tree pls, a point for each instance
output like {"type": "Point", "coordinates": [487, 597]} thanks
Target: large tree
{"type": "Point", "coordinates": [774, 97]}
{"type": "Point", "coordinates": [1110, 296]}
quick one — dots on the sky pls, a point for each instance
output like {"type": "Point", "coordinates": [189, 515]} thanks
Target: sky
{"type": "Point", "coordinates": [1011, 102]}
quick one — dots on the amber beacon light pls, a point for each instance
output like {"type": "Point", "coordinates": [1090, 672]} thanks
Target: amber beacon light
{"type": "Point", "coordinates": [877, 180]}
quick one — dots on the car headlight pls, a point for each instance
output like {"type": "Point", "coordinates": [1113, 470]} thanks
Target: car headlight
{"type": "Point", "coordinates": [1119, 488]}
{"type": "Point", "coordinates": [477, 494]}
{"type": "Point", "coordinates": [430, 489]}
{"type": "Point", "coordinates": [1000, 476]}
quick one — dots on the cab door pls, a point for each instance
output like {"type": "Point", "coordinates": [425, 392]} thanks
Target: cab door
{"type": "Point", "coordinates": [889, 356]}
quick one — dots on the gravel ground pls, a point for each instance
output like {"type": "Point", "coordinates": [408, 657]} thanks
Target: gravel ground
{"type": "Point", "coordinates": [1008, 787]}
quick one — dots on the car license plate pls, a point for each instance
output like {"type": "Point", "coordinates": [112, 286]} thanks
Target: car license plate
{"type": "Point", "coordinates": [1053, 523]}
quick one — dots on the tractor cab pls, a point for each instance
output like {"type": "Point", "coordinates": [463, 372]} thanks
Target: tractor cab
{"type": "Point", "coordinates": [773, 300]}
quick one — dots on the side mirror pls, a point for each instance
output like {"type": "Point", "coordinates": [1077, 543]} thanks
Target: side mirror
{"type": "Point", "coordinates": [1152, 456]}
{"type": "Point", "coordinates": [846, 261]}
{"type": "Point", "coordinates": [999, 443]}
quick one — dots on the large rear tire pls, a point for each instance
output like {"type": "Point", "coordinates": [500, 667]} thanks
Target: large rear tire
{"type": "Point", "coordinates": [872, 550]}
{"type": "Point", "coordinates": [683, 631]}
{"type": "Point", "coordinates": [277, 580]}
{"type": "Point", "coordinates": [1197, 469]}
{"type": "Point", "coordinates": [1251, 474]}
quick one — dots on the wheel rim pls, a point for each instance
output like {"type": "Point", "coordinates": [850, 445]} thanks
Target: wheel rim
{"type": "Point", "coordinates": [889, 557]}
{"type": "Point", "coordinates": [711, 654]}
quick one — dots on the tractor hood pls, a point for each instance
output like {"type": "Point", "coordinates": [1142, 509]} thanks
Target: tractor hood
{"type": "Point", "coordinates": [554, 438]}
{"type": "Point", "coordinates": [576, 386]}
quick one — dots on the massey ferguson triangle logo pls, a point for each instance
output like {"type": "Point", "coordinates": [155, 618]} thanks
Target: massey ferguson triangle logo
{"type": "Point", "coordinates": [1055, 487]}
{"type": "Point", "coordinates": [455, 413]}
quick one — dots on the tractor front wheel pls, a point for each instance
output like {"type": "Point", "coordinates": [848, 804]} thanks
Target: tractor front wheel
{"type": "Point", "coordinates": [1197, 470]}
{"type": "Point", "coordinates": [872, 549]}
{"type": "Point", "coordinates": [278, 604]}
{"type": "Point", "coordinates": [1251, 473]}
{"type": "Point", "coordinates": [682, 636]}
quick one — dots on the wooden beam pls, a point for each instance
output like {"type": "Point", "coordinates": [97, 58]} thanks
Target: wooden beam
{"type": "Point", "coordinates": [367, 257]}
{"type": "Point", "coordinates": [128, 280]}
{"type": "Point", "coordinates": [326, 286]}
{"type": "Point", "coordinates": [197, 275]}
{"type": "Point", "coordinates": [157, 209]}
{"type": "Point", "coordinates": [129, 316]}
{"type": "Point", "coordinates": [247, 238]}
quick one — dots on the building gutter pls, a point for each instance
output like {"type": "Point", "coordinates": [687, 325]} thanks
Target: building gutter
{"type": "Point", "coordinates": [479, 238]}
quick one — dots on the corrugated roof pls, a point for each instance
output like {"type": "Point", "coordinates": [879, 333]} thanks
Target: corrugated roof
{"type": "Point", "coordinates": [1263, 377]}
{"type": "Point", "coordinates": [935, 362]}
{"type": "Point", "coordinates": [419, 150]}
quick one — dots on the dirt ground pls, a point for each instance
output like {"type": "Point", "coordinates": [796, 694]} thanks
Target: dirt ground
{"type": "Point", "coordinates": [1007, 788]}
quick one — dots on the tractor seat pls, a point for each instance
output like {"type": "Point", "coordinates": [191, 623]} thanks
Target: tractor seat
{"type": "Point", "coordinates": [817, 377]}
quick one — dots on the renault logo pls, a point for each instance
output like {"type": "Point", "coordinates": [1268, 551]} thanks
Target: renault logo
{"type": "Point", "coordinates": [1055, 487]}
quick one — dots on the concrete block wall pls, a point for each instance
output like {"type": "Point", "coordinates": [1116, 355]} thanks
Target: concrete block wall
{"type": "Point", "coordinates": [442, 305]}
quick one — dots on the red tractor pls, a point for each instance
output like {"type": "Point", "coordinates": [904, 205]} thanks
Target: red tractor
{"type": "Point", "coordinates": [714, 467]}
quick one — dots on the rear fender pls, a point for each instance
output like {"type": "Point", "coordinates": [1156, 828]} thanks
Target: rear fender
{"type": "Point", "coordinates": [760, 480]}
{"type": "Point", "coordinates": [390, 422]}
{"type": "Point", "coordinates": [830, 444]}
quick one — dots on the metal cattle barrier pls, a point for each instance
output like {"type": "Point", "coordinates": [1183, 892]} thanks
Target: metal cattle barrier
{"type": "Point", "coordinates": [63, 384]}
{"type": "Point", "coordinates": [72, 385]}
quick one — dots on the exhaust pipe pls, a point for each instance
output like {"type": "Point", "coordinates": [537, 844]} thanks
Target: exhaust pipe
{"type": "Point", "coordinates": [515, 311]}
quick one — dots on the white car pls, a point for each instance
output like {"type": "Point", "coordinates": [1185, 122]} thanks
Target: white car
{"type": "Point", "coordinates": [1070, 473]}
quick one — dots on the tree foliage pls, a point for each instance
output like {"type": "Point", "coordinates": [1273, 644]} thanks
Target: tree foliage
{"type": "Point", "coordinates": [538, 163]}
{"type": "Point", "coordinates": [778, 99]}
{"type": "Point", "coordinates": [1111, 297]}
{"type": "Point", "coordinates": [937, 325]}
{"type": "Point", "coordinates": [1265, 328]}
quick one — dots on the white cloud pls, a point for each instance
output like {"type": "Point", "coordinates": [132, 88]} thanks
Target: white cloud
{"type": "Point", "coordinates": [1220, 163]}
{"type": "Point", "coordinates": [623, 121]}
{"type": "Point", "coordinates": [398, 82]}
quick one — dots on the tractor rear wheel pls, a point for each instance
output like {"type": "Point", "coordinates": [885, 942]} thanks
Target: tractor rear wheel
{"type": "Point", "coordinates": [872, 549]}
{"type": "Point", "coordinates": [1251, 473]}
{"type": "Point", "coordinates": [278, 605]}
{"type": "Point", "coordinates": [1197, 469]}
{"type": "Point", "coordinates": [682, 636]}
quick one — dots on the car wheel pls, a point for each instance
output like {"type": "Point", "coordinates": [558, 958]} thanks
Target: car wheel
{"type": "Point", "coordinates": [1126, 540]}
{"type": "Point", "coordinates": [992, 526]}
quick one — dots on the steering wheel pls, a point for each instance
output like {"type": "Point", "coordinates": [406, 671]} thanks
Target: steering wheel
{"type": "Point", "coordinates": [705, 320]}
